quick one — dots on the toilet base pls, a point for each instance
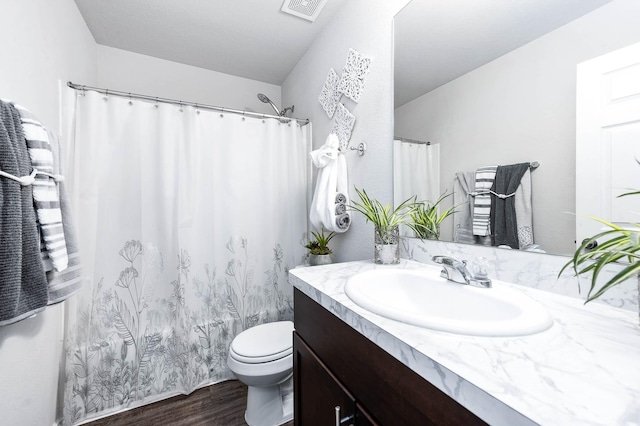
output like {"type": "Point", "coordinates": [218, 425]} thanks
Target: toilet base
{"type": "Point", "coordinates": [271, 405]}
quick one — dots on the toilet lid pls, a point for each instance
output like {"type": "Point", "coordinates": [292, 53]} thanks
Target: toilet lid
{"type": "Point", "coordinates": [264, 342]}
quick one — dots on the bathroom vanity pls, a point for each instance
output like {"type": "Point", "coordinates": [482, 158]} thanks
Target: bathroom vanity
{"type": "Point", "coordinates": [335, 366]}
{"type": "Point", "coordinates": [583, 370]}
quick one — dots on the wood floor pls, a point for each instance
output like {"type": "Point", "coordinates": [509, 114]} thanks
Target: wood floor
{"type": "Point", "coordinates": [217, 405]}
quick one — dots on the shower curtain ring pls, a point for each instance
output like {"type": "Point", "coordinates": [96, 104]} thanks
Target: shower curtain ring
{"type": "Point", "coordinates": [156, 105]}
{"type": "Point", "coordinates": [197, 110]}
{"type": "Point", "coordinates": [130, 101]}
{"type": "Point", "coordinates": [106, 95]}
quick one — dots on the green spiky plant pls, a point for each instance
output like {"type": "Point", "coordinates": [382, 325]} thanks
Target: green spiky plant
{"type": "Point", "coordinates": [615, 245]}
{"type": "Point", "coordinates": [320, 244]}
{"type": "Point", "coordinates": [383, 217]}
{"type": "Point", "coordinates": [426, 220]}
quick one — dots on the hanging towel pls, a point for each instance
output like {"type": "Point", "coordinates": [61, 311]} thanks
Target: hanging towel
{"type": "Point", "coordinates": [23, 285]}
{"type": "Point", "coordinates": [503, 212]}
{"type": "Point", "coordinates": [463, 183]}
{"type": "Point", "coordinates": [65, 283]}
{"type": "Point", "coordinates": [331, 189]}
{"type": "Point", "coordinates": [524, 212]}
{"type": "Point", "coordinates": [482, 200]}
{"type": "Point", "coordinates": [45, 192]}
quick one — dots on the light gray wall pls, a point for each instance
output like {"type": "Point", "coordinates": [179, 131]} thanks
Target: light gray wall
{"type": "Point", "coordinates": [45, 42]}
{"type": "Point", "coordinates": [520, 108]}
{"type": "Point", "coordinates": [368, 28]}
{"type": "Point", "coordinates": [132, 72]}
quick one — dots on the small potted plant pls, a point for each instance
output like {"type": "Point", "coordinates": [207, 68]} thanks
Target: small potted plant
{"type": "Point", "coordinates": [426, 220]}
{"type": "Point", "coordinates": [386, 223]}
{"type": "Point", "coordinates": [618, 245]}
{"type": "Point", "coordinates": [319, 251]}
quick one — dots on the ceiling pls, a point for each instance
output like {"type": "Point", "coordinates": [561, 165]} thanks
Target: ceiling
{"type": "Point", "coordinates": [438, 41]}
{"type": "Point", "coordinates": [247, 38]}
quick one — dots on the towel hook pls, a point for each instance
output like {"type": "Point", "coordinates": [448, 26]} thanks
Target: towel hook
{"type": "Point", "coordinates": [361, 148]}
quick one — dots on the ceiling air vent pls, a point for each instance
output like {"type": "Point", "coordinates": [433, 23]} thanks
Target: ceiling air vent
{"type": "Point", "coordinates": [305, 9]}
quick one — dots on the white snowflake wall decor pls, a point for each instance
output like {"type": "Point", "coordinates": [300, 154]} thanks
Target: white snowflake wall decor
{"type": "Point", "coordinates": [330, 96]}
{"type": "Point", "coordinates": [354, 74]}
{"type": "Point", "coordinates": [343, 125]}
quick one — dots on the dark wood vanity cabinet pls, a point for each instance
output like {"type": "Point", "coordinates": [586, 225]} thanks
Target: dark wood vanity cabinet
{"type": "Point", "coordinates": [335, 366]}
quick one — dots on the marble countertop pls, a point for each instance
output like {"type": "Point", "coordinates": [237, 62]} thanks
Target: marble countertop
{"type": "Point", "coordinates": [584, 370]}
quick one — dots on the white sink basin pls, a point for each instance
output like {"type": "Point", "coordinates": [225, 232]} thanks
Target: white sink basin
{"type": "Point", "coordinates": [421, 297]}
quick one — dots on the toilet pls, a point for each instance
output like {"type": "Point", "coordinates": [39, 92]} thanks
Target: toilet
{"type": "Point", "coordinates": [262, 358]}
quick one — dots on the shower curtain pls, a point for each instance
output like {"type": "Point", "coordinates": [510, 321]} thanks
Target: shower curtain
{"type": "Point", "coordinates": [416, 171]}
{"type": "Point", "coordinates": [188, 221]}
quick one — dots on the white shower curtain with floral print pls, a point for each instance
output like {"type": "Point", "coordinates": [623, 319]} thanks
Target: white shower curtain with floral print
{"type": "Point", "coordinates": [188, 221]}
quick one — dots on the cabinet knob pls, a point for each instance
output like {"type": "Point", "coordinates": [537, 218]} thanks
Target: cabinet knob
{"type": "Point", "coordinates": [342, 420]}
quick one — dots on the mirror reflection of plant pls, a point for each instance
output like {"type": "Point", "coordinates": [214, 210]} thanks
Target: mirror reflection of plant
{"type": "Point", "coordinates": [320, 244]}
{"type": "Point", "coordinates": [382, 216]}
{"type": "Point", "coordinates": [426, 220]}
{"type": "Point", "coordinates": [618, 245]}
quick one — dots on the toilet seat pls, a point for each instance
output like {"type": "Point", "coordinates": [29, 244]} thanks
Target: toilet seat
{"type": "Point", "coordinates": [263, 343]}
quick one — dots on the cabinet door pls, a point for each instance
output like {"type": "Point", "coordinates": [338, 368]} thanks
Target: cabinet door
{"type": "Point", "coordinates": [318, 396]}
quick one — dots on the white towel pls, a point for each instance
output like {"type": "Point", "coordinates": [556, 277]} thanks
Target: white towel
{"type": "Point", "coordinates": [331, 181]}
{"type": "Point", "coordinates": [482, 200]}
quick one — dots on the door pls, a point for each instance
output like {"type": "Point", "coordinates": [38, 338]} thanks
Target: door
{"type": "Point", "coordinates": [319, 398]}
{"type": "Point", "coordinates": [607, 140]}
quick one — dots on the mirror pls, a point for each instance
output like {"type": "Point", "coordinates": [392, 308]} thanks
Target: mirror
{"type": "Point", "coordinates": [494, 83]}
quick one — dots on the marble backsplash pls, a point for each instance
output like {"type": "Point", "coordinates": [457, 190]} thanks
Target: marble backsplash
{"type": "Point", "coordinates": [530, 269]}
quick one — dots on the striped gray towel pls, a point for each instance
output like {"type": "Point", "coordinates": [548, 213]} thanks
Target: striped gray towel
{"type": "Point", "coordinates": [482, 201]}
{"type": "Point", "coordinates": [45, 192]}
{"type": "Point", "coordinates": [65, 283]}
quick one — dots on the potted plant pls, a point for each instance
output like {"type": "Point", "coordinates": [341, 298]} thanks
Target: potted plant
{"type": "Point", "coordinates": [426, 220]}
{"type": "Point", "coordinates": [386, 223]}
{"type": "Point", "coordinates": [319, 251]}
{"type": "Point", "coordinates": [618, 245]}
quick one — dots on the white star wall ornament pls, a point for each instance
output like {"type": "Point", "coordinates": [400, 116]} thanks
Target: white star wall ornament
{"type": "Point", "coordinates": [330, 95]}
{"type": "Point", "coordinates": [343, 125]}
{"type": "Point", "coordinates": [354, 74]}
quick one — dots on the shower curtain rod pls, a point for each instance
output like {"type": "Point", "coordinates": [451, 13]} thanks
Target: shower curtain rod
{"type": "Point", "coordinates": [398, 138]}
{"type": "Point", "coordinates": [302, 121]}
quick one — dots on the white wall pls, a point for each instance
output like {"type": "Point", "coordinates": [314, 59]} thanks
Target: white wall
{"type": "Point", "coordinates": [520, 108]}
{"type": "Point", "coordinates": [366, 27]}
{"type": "Point", "coordinates": [131, 72]}
{"type": "Point", "coordinates": [45, 41]}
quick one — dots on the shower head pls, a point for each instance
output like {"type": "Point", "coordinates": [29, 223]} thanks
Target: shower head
{"type": "Point", "coordinates": [266, 100]}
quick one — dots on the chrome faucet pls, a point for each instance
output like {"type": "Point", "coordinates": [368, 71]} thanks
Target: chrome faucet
{"type": "Point", "coordinates": [456, 270]}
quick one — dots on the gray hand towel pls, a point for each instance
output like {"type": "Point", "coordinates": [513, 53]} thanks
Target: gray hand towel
{"type": "Point", "coordinates": [503, 213]}
{"type": "Point", "coordinates": [23, 285]}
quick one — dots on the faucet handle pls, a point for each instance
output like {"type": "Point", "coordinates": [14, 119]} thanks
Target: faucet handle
{"type": "Point", "coordinates": [478, 267]}
{"type": "Point", "coordinates": [446, 260]}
